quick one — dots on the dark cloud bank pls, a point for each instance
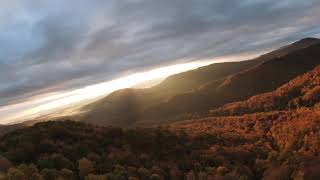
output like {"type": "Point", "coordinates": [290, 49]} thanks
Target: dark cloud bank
{"type": "Point", "coordinates": [59, 45]}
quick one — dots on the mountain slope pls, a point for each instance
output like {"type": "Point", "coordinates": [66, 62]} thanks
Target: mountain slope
{"type": "Point", "coordinates": [294, 100]}
{"type": "Point", "coordinates": [133, 102]}
{"type": "Point", "coordinates": [269, 145]}
{"type": "Point", "coordinates": [197, 91]}
{"type": "Point", "coordinates": [8, 128]}
{"type": "Point", "coordinates": [302, 44]}
{"type": "Point", "coordinates": [264, 77]}
{"type": "Point", "coordinates": [303, 91]}
{"type": "Point", "coordinates": [272, 145]}
{"type": "Point", "coordinates": [285, 122]}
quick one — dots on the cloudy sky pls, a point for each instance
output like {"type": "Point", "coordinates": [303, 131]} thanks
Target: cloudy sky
{"type": "Point", "coordinates": [56, 46]}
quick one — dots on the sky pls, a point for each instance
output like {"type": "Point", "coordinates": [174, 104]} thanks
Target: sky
{"type": "Point", "coordinates": [52, 50]}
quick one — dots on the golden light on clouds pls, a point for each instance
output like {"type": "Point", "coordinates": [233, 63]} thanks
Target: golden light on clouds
{"type": "Point", "coordinates": [58, 100]}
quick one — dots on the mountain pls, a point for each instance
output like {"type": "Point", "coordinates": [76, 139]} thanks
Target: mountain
{"type": "Point", "coordinates": [284, 122]}
{"type": "Point", "coordinates": [194, 93]}
{"type": "Point", "coordinates": [278, 142]}
{"type": "Point", "coordinates": [302, 44]}
{"type": "Point", "coordinates": [303, 91]}
{"type": "Point", "coordinates": [294, 100]}
{"type": "Point", "coordinates": [109, 110]}
{"type": "Point", "coordinates": [261, 78]}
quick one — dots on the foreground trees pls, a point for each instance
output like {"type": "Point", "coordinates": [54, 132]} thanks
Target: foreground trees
{"type": "Point", "coordinates": [85, 167]}
{"type": "Point", "coordinates": [258, 146]}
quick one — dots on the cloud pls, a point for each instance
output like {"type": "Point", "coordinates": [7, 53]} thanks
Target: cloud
{"type": "Point", "coordinates": [48, 46]}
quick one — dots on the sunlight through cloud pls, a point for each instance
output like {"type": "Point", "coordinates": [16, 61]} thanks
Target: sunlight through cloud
{"type": "Point", "coordinates": [59, 100]}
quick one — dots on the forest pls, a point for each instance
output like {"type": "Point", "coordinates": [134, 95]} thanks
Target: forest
{"type": "Point", "coordinates": [270, 146]}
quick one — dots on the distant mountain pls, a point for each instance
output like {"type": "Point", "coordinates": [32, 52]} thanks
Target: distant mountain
{"type": "Point", "coordinates": [194, 93]}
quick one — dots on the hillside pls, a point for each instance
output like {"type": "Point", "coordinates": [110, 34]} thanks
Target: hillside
{"type": "Point", "coordinates": [285, 121]}
{"type": "Point", "coordinates": [195, 92]}
{"type": "Point", "coordinates": [303, 91]}
{"type": "Point", "coordinates": [304, 43]}
{"type": "Point", "coordinates": [109, 110]}
{"type": "Point", "coordinates": [272, 145]}
{"type": "Point", "coordinates": [2, 128]}
{"type": "Point", "coordinates": [8, 128]}
{"type": "Point", "coordinates": [56, 147]}
{"type": "Point", "coordinates": [261, 78]}
{"type": "Point", "coordinates": [295, 101]}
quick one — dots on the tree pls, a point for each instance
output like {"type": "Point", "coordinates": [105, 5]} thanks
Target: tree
{"type": "Point", "coordinates": [5, 164]}
{"type": "Point", "coordinates": [144, 173]}
{"type": "Point", "coordinates": [85, 167]}
{"type": "Point", "coordinates": [175, 174]}
{"type": "Point", "coordinates": [155, 177]}
{"type": "Point", "coordinates": [191, 176]}
{"type": "Point", "coordinates": [222, 170]}
{"type": "Point", "coordinates": [28, 170]}
{"type": "Point", "coordinates": [36, 176]}
{"type": "Point", "coordinates": [277, 172]}
{"type": "Point", "coordinates": [15, 174]}
{"type": "Point", "coordinates": [202, 176]}
{"type": "Point", "coordinates": [133, 178]}
{"type": "Point", "coordinates": [95, 177]}
{"type": "Point", "coordinates": [49, 174]}
{"type": "Point", "coordinates": [66, 173]}
{"type": "Point", "coordinates": [56, 161]}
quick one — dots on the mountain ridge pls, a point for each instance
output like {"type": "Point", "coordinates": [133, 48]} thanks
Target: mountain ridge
{"type": "Point", "coordinates": [249, 82]}
{"type": "Point", "coordinates": [151, 105]}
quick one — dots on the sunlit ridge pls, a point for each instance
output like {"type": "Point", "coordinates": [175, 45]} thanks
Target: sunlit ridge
{"type": "Point", "coordinates": [61, 100]}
